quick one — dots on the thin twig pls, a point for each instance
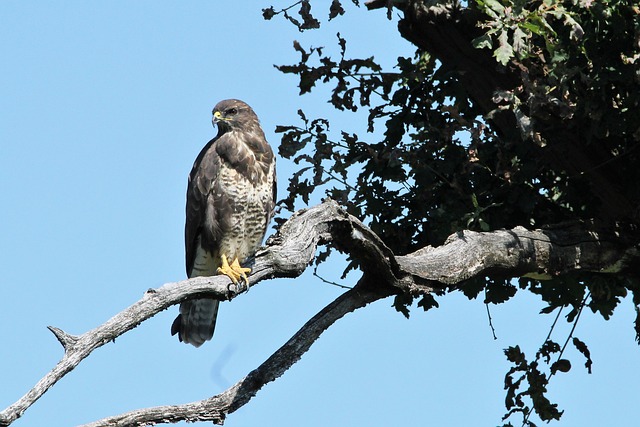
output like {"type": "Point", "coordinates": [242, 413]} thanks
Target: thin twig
{"type": "Point", "coordinates": [287, 8]}
{"type": "Point", "coordinates": [575, 324]}
{"type": "Point", "coordinates": [553, 325]}
{"type": "Point", "coordinates": [315, 273]}
{"type": "Point", "coordinates": [493, 331]}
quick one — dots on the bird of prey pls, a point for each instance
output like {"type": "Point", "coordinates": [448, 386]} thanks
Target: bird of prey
{"type": "Point", "coordinates": [230, 199]}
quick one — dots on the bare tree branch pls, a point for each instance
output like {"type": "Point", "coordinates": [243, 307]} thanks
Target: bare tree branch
{"type": "Point", "coordinates": [519, 252]}
{"type": "Point", "coordinates": [288, 254]}
{"type": "Point", "coordinates": [218, 407]}
{"type": "Point", "coordinates": [511, 253]}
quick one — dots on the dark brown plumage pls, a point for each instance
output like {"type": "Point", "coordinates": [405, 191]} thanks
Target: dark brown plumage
{"type": "Point", "coordinates": [230, 199]}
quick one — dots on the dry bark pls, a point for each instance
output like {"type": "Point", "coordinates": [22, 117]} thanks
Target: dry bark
{"type": "Point", "coordinates": [516, 252]}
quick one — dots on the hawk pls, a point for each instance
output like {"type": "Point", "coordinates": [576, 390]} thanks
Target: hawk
{"type": "Point", "coordinates": [230, 199]}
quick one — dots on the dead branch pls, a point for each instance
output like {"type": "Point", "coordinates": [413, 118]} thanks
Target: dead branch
{"type": "Point", "coordinates": [516, 252]}
{"type": "Point", "coordinates": [216, 408]}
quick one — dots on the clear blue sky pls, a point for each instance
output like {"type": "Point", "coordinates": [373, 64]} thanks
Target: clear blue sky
{"type": "Point", "coordinates": [103, 108]}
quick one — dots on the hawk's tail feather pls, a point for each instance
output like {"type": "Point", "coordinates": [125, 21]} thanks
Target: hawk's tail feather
{"type": "Point", "coordinates": [196, 322]}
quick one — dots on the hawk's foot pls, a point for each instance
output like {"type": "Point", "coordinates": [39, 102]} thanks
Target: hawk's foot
{"type": "Point", "coordinates": [234, 270]}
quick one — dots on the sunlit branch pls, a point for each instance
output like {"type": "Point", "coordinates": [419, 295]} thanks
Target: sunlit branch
{"type": "Point", "coordinates": [464, 255]}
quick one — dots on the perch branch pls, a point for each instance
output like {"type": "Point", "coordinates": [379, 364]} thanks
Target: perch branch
{"type": "Point", "coordinates": [287, 255]}
{"type": "Point", "coordinates": [516, 252]}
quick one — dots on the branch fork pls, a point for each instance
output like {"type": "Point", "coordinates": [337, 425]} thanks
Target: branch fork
{"type": "Point", "coordinates": [466, 254]}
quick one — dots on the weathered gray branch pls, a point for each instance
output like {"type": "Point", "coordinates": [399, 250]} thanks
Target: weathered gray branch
{"type": "Point", "coordinates": [516, 252]}
{"type": "Point", "coordinates": [520, 252]}
{"type": "Point", "coordinates": [218, 407]}
{"type": "Point", "coordinates": [287, 255]}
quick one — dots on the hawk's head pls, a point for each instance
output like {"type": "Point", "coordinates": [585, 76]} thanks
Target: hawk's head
{"type": "Point", "coordinates": [233, 114]}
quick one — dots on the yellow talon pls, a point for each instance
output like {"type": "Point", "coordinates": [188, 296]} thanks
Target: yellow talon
{"type": "Point", "coordinates": [241, 271]}
{"type": "Point", "coordinates": [234, 271]}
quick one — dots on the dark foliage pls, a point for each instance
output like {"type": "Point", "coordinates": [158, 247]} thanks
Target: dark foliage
{"type": "Point", "coordinates": [541, 127]}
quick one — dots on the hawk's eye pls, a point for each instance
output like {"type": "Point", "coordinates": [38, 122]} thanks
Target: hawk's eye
{"type": "Point", "coordinates": [232, 111]}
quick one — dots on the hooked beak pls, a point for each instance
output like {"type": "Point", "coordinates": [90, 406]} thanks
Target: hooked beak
{"type": "Point", "coordinates": [217, 116]}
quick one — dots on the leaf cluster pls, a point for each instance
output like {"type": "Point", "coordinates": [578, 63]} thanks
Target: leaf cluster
{"type": "Point", "coordinates": [437, 167]}
{"type": "Point", "coordinates": [579, 65]}
{"type": "Point", "coordinates": [526, 382]}
{"type": "Point", "coordinates": [306, 20]}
